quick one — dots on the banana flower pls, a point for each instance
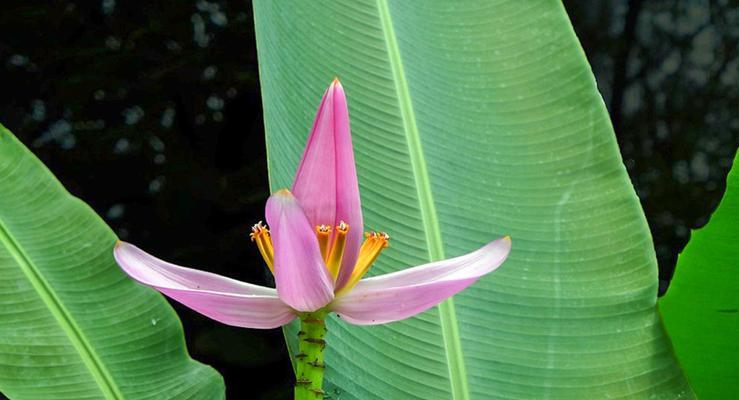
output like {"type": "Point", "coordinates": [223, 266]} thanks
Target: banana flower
{"type": "Point", "coordinates": [315, 246]}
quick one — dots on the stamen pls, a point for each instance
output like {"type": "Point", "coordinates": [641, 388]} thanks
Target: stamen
{"type": "Point", "coordinates": [337, 249]}
{"type": "Point", "coordinates": [324, 234]}
{"type": "Point", "coordinates": [368, 253]}
{"type": "Point", "coordinates": [260, 234]}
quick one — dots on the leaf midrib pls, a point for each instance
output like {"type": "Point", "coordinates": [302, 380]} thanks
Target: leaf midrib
{"type": "Point", "coordinates": [87, 354]}
{"type": "Point", "coordinates": [447, 313]}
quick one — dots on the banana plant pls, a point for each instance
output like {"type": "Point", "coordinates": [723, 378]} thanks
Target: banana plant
{"type": "Point", "coordinates": [72, 325]}
{"type": "Point", "coordinates": [470, 121]}
{"type": "Point", "coordinates": [474, 120]}
{"type": "Point", "coordinates": [701, 309]}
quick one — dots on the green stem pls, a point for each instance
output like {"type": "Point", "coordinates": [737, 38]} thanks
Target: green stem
{"type": "Point", "coordinates": [309, 360]}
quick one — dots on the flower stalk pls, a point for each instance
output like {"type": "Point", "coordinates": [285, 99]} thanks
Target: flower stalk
{"type": "Point", "coordinates": [309, 360]}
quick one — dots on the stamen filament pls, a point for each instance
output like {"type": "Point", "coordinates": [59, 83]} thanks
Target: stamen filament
{"type": "Point", "coordinates": [368, 253]}
{"type": "Point", "coordinates": [260, 235]}
{"type": "Point", "coordinates": [337, 249]}
{"type": "Point", "coordinates": [324, 234]}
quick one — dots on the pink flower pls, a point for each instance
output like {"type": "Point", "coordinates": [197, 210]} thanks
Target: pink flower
{"type": "Point", "coordinates": [317, 250]}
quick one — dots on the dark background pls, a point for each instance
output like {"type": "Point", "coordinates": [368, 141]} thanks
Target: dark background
{"type": "Point", "coordinates": [151, 113]}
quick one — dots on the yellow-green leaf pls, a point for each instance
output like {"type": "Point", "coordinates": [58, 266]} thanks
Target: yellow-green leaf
{"type": "Point", "coordinates": [701, 307]}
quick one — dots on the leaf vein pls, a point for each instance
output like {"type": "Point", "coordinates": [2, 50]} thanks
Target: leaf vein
{"type": "Point", "coordinates": [55, 306]}
{"type": "Point", "coordinates": [447, 313]}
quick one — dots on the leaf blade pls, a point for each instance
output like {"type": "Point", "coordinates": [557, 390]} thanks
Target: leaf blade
{"type": "Point", "coordinates": [700, 307]}
{"type": "Point", "coordinates": [90, 359]}
{"type": "Point", "coordinates": [73, 326]}
{"type": "Point", "coordinates": [515, 140]}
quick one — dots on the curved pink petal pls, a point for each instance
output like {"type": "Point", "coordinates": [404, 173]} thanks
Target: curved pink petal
{"type": "Point", "coordinates": [403, 294]}
{"type": "Point", "coordinates": [302, 279]}
{"type": "Point", "coordinates": [223, 299]}
{"type": "Point", "coordinates": [326, 181]}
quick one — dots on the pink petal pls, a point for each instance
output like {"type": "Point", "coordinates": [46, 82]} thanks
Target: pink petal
{"type": "Point", "coordinates": [302, 279]}
{"type": "Point", "coordinates": [403, 294]}
{"type": "Point", "coordinates": [326, 181]}
{"type": "Point", "coordinates": [223, 299]}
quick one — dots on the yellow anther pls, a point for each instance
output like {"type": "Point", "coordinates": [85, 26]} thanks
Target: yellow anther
{"type": "Point", "coordinates": [371, 248]}
{"type": "Point", "coordinates": [333, 262]}
{"type": "Point", "coordinates": [324, 234]}
{"type": "Point", "coordinates": [260, 235]}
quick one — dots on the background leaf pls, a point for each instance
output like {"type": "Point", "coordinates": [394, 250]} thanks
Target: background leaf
{"type": "Point", "coordinates": [701, 308]}
{"type": "Point", "coordinates": [72, 325]}
{"type": "Point", "coordinates": [472, 120]}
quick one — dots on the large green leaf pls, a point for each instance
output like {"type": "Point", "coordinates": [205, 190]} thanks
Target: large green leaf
{"type": "Point", "coordinates": [701, 307]}
{"type": "Point", "coordinates": [72, 325]}
{"type": "Point", "coordinates": [472, 120]}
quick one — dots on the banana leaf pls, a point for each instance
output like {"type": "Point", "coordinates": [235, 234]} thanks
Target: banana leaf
{"type": "Point", "coordinates": [701, 307]}
{"type": "Point", "coordinates": [472, 120]}
{"type": "Point", "coordinates": [72, 325]}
